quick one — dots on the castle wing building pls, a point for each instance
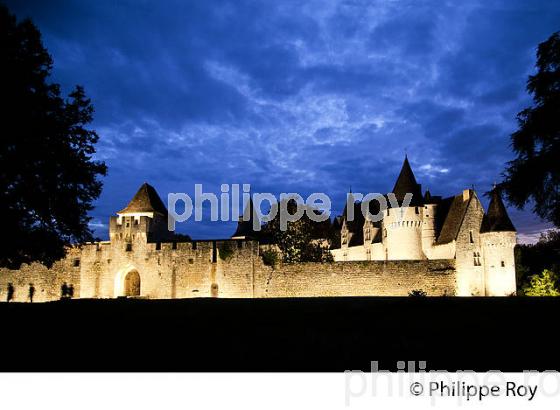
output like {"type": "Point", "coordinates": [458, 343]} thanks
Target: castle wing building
{"type": "Point", "coordinates": [434, 228]}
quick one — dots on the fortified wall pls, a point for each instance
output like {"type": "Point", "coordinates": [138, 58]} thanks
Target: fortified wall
{"type": "Point", "coordinates": [365, 278]}
{"type": "Point", "coordinates": [223, 269]}
{"type": "Point", "coordinates": [472, 255]}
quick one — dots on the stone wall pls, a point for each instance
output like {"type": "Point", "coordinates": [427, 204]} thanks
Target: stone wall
{"type": "Point", "coordinates": [228, 269]}
{"type": "Point", "coordinates": [47, 282]}
{"type": "Point", "coordinates": [366, 278]}
{"type": "Point", "coordinates": [470, 268]}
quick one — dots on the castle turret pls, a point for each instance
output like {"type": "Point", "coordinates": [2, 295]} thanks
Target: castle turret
{"type": "Point", "coordinates": [143, 219]}
{"type": "Point", "coordinates": [498, 239]}
{"type": "Point", "coordinates": [245, 228]}
{"type": "Point", "coordinates": [403, 224]}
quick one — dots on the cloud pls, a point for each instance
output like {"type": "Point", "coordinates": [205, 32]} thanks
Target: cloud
{"type": "Point", "coordinates": [297, 96]}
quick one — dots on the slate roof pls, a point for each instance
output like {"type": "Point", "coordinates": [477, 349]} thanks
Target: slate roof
{"type": "Point", "coordinates": [145, 200]}
{"type": "Point", "coordinates": [406, 182]}
{"type": "Point", "coordinates": [453, 210]}
{"type": "Point", "coordinates": [356, 225]}
{"type": "Point", "coordinates": [497, 218]}
{"type": "Point", "coordinates": [358, 222]}
{"type": "Point", "coordinates": [245, 228]}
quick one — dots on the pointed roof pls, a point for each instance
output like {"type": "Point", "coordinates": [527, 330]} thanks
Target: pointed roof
{"type": "Point", "coordinates": [497, 218]}
{"type": "Point", "coordinates": [406, 182]}
{"type": "Point", "coordinates": [356, 225]}
{"type": "Point", "coordinates": [145, 200]}
{"type": "Point", "coordinates": [245, 227]}
{"type": "Point", "coordinates": [452, 210]}
{"type": "Point", "coordinates": [427, 197]}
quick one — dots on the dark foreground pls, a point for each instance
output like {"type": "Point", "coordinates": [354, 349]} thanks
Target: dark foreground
{"type": "Point", "coordinates": [323, 334]}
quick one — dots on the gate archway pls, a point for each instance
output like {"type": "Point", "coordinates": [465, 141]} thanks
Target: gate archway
{"type": "Point", "coordinates": [132, 284]}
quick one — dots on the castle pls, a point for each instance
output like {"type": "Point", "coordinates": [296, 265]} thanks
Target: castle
{"type": "Point", "coordinates": [441, 246]}
{"type": "Point", "coordinates": [436, 228]}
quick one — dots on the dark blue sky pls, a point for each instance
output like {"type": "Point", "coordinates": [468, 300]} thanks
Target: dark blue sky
{"type": "Point", "coordinates": [297, 96]}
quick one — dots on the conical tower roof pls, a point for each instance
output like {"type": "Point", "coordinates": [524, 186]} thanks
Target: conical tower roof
{"type": "Point", "coordinates": [145, 200]}
{"type": "Point", "coordinates": [245, 227]}
{"type": "Point", "coordinates": [406, 182]}
{"type": "Point", "coordinates": [497, 218]}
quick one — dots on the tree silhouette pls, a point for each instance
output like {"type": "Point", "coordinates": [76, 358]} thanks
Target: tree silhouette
{"type": "Point", "coordinates": [48, 178]}
{"type": "Point", "coordinates": [304, 240]}
{"type": "Point", "coordinates": [534, 175]}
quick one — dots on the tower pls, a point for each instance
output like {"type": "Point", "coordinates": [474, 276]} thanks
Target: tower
{"type": "Point", "coordinates": [402, 233]}
{"type": "Point", "coordinates": [143, 220]}
{"type": "Point", "coordinates": [245, 228]}
{"type": "Point", "coordinates": [428, 224]}
{"type": "Point", "coordinates": [498, 237]}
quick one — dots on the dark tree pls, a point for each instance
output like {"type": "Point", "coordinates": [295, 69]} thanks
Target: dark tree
{"type": "Point", "coordinates": [304, 240]}
{"type": "Point", "coordinates": [48, 178]}
{"type": "Point", "coordinates": [534, 175]}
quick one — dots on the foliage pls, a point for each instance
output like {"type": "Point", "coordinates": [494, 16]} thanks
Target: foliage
{"type": "Point", "coordinates": [304, 240]}
{"type": "Point", "coordinates": [48, 178]}
{"type": "Point", "coordinates": [545, 254]}
{"type": "Point", "coordinates": [226, 250]}
{"type": "Point", "coordinates": [417, 293]}
{"type": "Point", "coordinates": [545, 284]}
{"type": "Point", "coordinates": [534, 175]}
{"type": "Point", "coordinates": [270, 257]}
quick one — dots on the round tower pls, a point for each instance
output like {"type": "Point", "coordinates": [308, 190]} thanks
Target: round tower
{"type": "Point", "coordinates": [498, 238]}
{"type": "Point", "coordinates": [403, 233]}
{"type": "Point", "coordinates": [403, 224]}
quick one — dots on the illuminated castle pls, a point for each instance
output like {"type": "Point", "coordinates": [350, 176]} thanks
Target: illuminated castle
{"type": "Point", "coordinates": [433, 228]}
{"type": "Point", "coordinates": [441, 246]}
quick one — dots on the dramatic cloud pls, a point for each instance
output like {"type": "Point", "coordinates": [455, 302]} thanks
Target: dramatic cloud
{"type": "Point", "coordinates": [297, 96]}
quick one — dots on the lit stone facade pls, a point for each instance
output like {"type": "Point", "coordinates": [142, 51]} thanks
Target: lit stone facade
{"type": "Point", "coordinates": [435, 228]}
{"type": "Point", "coordinates": [440, 246]}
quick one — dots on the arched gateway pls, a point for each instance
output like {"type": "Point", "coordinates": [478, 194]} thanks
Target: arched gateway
{"type": "Point", "coordinates": [132, 284]}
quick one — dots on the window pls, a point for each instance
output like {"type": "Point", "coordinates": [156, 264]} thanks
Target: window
{"type": "Point", "coordinates": [194, 246]}
{"type": "Point", "coordinates": [174, 245]}
{"type": "Point", "coordinates": [471, 237]}
{"type": "Point", "coordinates": [476, 256]}
{"type": "Point", "coordinates": [158, 246]}
{"type": "Point", "coordinates": [128, 247]}
{"type": "Point", "coordinates": [503, 264]}
{"type": "Point", "coordinates": [416, 210]}
{"type": "Point", "coordinates": [76, 263]}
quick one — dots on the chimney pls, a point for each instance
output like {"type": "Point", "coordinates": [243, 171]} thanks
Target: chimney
{"type": "Point", "coordinates": [466, 194]}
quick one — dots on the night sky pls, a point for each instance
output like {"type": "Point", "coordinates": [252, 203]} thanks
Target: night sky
{"type": "Point", "coordinates": [297, 96]}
